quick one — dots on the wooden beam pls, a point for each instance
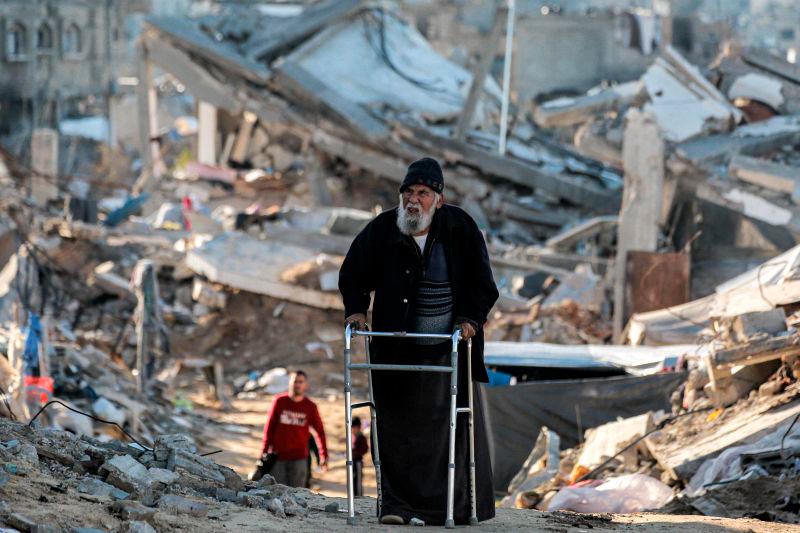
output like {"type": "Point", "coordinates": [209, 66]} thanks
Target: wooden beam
{"type": "Point", "coordinates": [480, 72]}
{"type": "Point", "coordinates": [296, 29]}
{"type": "Point", "coordinates": [758, 351]}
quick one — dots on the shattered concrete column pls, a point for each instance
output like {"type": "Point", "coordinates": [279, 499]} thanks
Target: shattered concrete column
{"type": "Point", "coordinates": [643, 157]}
{"type": "Point", "coordinates": [147, 318]}
{"type": "Point", "coordinates": [148, 114]}
{"type": "Point", "coordinates": [206, 133]}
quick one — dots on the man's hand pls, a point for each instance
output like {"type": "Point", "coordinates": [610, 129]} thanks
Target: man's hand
{"type": "Point", "coordinates": [323, 465]}
{"type": "Point", "coordinates": [467, 331]}
{"type": "Point", "coordinates": [357, 320]}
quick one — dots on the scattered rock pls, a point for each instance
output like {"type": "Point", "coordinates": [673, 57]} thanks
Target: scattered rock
{"type": "Point", "coordinates": [4, 478]}
{"type": "Point", "coordinates": [96, 487]}
{"type": "Point", "coordinates": [291, 506]}
{"type": "Point", "coordinates": [21, 522]}
{"type": "Point", "coordinates": [131, 510]}
{"type": "Point", "coordinates": [332, 507]}
{"type": "Point", "coordinates": [266, 480]}
{"type": "Point", "coordinates": [275, 506]}
{"type": "Point", "coordinates": [180, 505]}
{"type": "Point", "coordinates": [137, 527]}
{"type": "Point", "coordinates": [225, 494]}
{"type": "Point", "coordinates": [164, 444]}
{"type": "Point", "coordinates": [182, 460]}
{"type": "Point", "coordinates": [162, 475]}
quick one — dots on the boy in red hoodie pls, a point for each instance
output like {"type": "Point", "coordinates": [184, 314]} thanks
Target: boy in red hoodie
{"type": "Point", "coordinates": [287, 429]}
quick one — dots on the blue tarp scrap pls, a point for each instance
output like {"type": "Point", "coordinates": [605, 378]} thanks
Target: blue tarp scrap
{"type": "Point", "coordinates": [32, 342]}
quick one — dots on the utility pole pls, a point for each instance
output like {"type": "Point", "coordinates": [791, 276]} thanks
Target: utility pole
{"type": "Point", "coordinates": [506, 77]}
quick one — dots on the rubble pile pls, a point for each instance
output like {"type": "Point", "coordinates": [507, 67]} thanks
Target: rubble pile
{"type": "Point", "coordinates": [125, 487]}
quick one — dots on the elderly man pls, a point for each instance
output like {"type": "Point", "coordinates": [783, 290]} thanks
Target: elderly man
{"type": "Point", "coordinates": [427, 263]}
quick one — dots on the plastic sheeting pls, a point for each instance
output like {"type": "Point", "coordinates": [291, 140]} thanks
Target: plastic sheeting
{"type": "Point", "coordinates": [728, 465]}
{"type": "Point", "coordinates": [636, 360]}
{"type": "Point", "coordinates": [624, 494]}
{"type": "Point", "coordinates": [516, 414]}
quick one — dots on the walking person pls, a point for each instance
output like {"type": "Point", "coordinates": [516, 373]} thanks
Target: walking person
{"type": "Point", "coordinates": [360, 449]}
{"type": "Point", "coordinates": [428, 266]}
{"type": "Point", "coordinates": [290, 419]}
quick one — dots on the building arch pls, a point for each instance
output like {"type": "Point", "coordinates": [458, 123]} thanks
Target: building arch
{"type": "Point", "coordinates": [73, 39]}
{"type": "Point", "coordinates": [16, 40]}
{"type": "Point", "coordinates": [44, 37]}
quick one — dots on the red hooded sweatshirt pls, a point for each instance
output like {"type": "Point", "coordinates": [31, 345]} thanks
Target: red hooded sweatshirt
{"type": "Point", "coordinates": [287, 429]}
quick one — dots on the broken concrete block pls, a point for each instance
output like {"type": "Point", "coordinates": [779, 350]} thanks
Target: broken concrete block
{"type": "Point", "coordinates": [772, 322]}
{"type": "Point", "coordinates": [606, 440]}
{"type": "Point", "coordinates": [126, 470]}
{"type": "Point", "coordinates": [136, 526]}
{"type": "Point", "coordinates": [249, 500]}
{"type": "Point", "coordinates": [266, 480]}
{"type": "Point", "coordinates": [21, 522]}
{"type": "Point", "coordinates": [182, 460]}
{"type": "Point", "coordinates": [162, 475]}
{"type": "Point", "coordinates": [207, 295]}
{"type": "Point", "coordinates": [131, 510]}
{"type": "Point", "coordinates": [232, 480]}
{"type": "Point", "coordinates": [180, 505]}
{"type": "Point", "coordinates": [96, 487]}
{"type": "Point", "coordinates": [275, 506]}
{"type": "Point", "coordinates": [291, 507]}
{"type": "Point", "coordinates": [224, 494]}
{"type": "Point", "coordinates": [178, 441]}
{"type": "Point", "coordinates": [126, 473]}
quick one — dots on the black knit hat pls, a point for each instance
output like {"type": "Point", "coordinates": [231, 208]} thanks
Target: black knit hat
{"type": "Point", "coordinates": [425, 171]}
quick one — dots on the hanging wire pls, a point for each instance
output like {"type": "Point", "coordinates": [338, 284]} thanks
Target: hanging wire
{"type": "Point", "coordinates": [96, 419]}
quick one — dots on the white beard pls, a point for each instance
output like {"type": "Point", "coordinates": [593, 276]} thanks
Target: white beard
{"type": "Point", "coordinates": [409, 223]}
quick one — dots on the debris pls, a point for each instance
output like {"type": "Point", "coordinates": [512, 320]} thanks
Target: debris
{"type": "Point", "coordinates": [177, 504]}
{"type": "Point", "coordinates": [625, 494]}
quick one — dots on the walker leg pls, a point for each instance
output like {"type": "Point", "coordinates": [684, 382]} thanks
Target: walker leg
{"type": "Point", "coordinates": [376, 457]}
{"type": "Point", "coordinates": [348, 420]}
{"type": "Point", "coordinates": [451, 463]}
{"type": "Point", "coordinates": [473, 517]}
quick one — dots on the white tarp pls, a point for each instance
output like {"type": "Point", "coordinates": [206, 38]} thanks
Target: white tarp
{"type": "Point", "coordinates": [636, 360]}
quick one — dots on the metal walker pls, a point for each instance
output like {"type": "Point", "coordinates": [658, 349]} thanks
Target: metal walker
{"type": "Point", "coordinates": [452, 369]}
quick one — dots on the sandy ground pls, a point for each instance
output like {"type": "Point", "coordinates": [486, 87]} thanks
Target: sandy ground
{"type": "Point", "coordinates": [42, 498]}
{"type": "Point", "coordinates": [241, 440]}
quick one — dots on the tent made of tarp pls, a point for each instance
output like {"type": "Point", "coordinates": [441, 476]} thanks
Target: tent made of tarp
{"type": "Point", "coordinates": [636, 360]}
{"type": "Point", "coordinates": [515, 414]}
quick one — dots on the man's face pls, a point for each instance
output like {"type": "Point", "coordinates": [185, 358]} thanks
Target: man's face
{"type": "Point", "coordinates": [297, 385]}
{"type": "Point", "coordinates": [418, 203]}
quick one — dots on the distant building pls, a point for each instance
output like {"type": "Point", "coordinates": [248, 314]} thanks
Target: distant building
{"type": "Point", "coordinates": [59, 57]}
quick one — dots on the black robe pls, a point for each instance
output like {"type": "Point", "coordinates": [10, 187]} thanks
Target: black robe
{"type": "Point", "coordinates": [414, 408]}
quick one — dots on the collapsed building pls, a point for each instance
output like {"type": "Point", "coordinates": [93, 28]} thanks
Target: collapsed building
{"type": "Point", "coordinates": [642, 235]}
